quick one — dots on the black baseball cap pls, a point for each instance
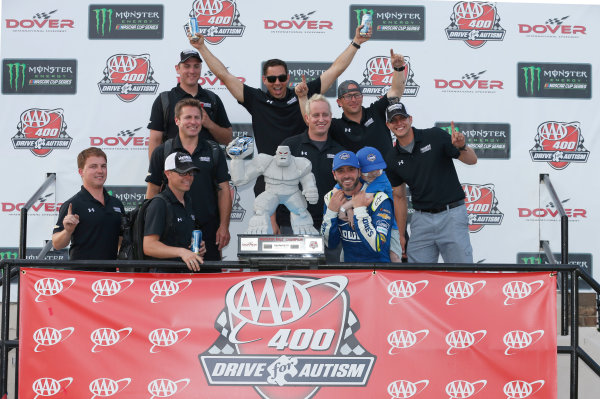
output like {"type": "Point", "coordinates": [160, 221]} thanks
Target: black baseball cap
{"type": "Point", "coordinates": [343, 87]}
{"type": "Point", "coordinates": [180, 162]}
{"type": "Point", "coordinates": [395, 109]}
{"type": "Point", "coordinates": [187, 54]}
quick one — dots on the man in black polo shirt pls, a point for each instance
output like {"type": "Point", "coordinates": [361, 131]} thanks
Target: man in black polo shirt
{"type": "Point", "coordinates": [359, 126]}
{"type": "Point", "coordinates": [215, 124]}
{"type": "Point", "coordinates": [210, 195]}
{"type": "Point", "coordinates": [275, 114]}
{"type": "Point", "coordinates": [423, 159]}
{"type": "Point", "coordinates": [91, 219]}
{"type": "Point", "coordinates": [169, 221]}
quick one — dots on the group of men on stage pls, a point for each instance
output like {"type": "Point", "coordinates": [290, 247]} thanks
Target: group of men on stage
{"type": "Point", "coordinates": [362, 163]}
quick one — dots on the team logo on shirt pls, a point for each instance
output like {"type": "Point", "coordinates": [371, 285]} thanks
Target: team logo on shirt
{"type": "Point", "coordinates": [41, 131]}
{"type": "Point", "coordinates": [559, 144]}
{"type": "Point", "coordinates": [482, 206]}
{"type": "Point", "coordinates": [217, 19]}
{"type": "Point", "coordinates": [475, 23]}
{"type": "Point", "coordinates": [378, 77]}
{"type": "Point", "coordinates": [287, 336]}
{"type": "Point", "coordinates": [128, 76]}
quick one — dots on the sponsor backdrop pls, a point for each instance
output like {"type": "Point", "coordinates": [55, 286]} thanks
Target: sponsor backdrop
{"type": "Point", "coordinates": [288, 335]}
{"type": "Point", "coordinates": [515, 78]}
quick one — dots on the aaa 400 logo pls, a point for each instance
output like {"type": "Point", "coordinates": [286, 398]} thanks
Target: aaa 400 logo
{"type": "Point", "coordinates": [378, 77]}
{"type": "Point", "coordinates": [128, 76]}
{"type": "Point", "coordinates": [217, 19]}
{"type": "Point", "coordinates": [287, 336]}
{"type": "Point", "coordinates": [482, 206]}
{"type": "Point", "coordinates": [559, 143]}
{"type": "Point", "coordinates": [475, 22]}
{"type": "Point", "coordinates": [41, 131]}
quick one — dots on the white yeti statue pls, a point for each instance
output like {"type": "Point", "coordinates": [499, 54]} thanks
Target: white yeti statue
{"type": "Point", "coordinates": [282, 174]}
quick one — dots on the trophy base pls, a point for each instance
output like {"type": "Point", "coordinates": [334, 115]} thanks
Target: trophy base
{"type": "Point", "coordinates": [308, 249]}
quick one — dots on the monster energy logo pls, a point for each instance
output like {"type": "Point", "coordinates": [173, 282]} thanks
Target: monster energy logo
{"type": "Point", "coordinates": [102, 14]}
{"type": "Point", "coordinates": [532, 74]}
{"type": "Point", "coordinates": [8, 255]}
{"type": "Point", "coordinates": [16, 73]}
{"type": "Point", "coordinates": [360, 12]}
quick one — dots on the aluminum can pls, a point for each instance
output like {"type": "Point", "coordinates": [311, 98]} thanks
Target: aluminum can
{"type": "Point", "coordinates": [366, 22]}
{"type": "Point", "coordinates": [196, 240]}
{"type": "Point", "coordinates": [193, 26]}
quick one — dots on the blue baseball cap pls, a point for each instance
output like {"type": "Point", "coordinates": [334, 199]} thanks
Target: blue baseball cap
{"type": "Point", "coordinates": [370, 159]}
{"type": "Point", "coordinates": [345, 158]}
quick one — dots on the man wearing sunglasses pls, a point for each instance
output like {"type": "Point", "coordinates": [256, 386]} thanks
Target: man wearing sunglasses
{"type": "Point", "coordinates": [170, 218]}
{"type": "Point", "coordinates": [276, 114]}
{"type": "Point", "coordinates": [359, 126]}
{"type": "Point", "coordinates": [211, 200]}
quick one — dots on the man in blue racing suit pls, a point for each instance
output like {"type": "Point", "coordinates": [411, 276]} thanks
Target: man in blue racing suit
{"type": "Point", "coordinates": [366, 237]}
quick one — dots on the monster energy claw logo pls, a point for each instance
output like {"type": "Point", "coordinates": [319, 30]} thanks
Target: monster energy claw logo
{"type": "Point", "coordinates": [360, 12]}
{"type": "Point", "coordinates": [16, 74]}
{"type": "Point", "coordinates": [531, 74]}
{"type": "Point", "coordinates": [103, 15]}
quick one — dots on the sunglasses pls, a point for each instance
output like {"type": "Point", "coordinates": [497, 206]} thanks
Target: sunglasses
{"type": "Point", "coordinates": [272, 79]}
{"type": "Point", "coordinates": [188, 173]}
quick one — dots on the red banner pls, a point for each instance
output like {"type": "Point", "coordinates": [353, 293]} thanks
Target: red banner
{"type": "Point", "coordinates": [301, 334]}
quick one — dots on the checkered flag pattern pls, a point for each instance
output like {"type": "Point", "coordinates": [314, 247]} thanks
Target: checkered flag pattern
{"type": "Point", "coordinates": [556, 21]}
{"type": "Point", "coordinates": [222, 346]}
{"type": "Point", "coordinates": [302, 16]}
{"type": "Point", "coordinates": [473, 75]}
{"type": "Point", "coordinates": [127, 132]}
{"type": "Point", "coordinates": [349, 346]}
{"type": "Point", "coordinates": [44, 15]}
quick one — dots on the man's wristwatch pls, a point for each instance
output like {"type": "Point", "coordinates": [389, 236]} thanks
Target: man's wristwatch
{"type": "Point", "coordinates": [402, 68]}
{"type": "Point", "coordinates": [463, 148]}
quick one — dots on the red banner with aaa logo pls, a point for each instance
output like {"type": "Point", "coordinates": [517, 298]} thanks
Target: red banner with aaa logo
{"type": "Point", "coordinates": [313, 334]}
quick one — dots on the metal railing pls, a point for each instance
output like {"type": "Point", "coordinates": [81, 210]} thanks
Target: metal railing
{"type": "Point", "coordinates": [50, 178]}
{"type": "Point", "coordinates": [575, 272]}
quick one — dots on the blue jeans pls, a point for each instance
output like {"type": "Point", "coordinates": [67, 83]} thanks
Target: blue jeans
{"type": "Point", "coordinates": [445, 233]}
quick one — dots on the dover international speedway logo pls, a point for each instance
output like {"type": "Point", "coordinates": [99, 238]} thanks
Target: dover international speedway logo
{"type": "Point", "coordinates": [475, 23]}
{"type": "Point", "coordinates": [262, 345]}
{"type": "Point", "coordinates": [217, 19]}
{"type": "Point", "coordinates": [41, 131]}
{"type": "Point", "coordinates": [128, 76]}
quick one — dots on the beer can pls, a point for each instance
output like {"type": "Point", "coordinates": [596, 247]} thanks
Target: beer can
{"type": "Point", "coordinates": [196, 240]}
{"type": "Point", "coordinates": [193, 26]}
{"type": "Point", "coordinates": [366, 22]}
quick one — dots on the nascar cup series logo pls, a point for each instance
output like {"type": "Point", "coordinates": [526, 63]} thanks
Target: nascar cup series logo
{"type": "Point", "coordinates": [41, 131]}
{"type": "Point", "coordinates": [105, 337]}
{"type": "Point", "coordinates": [217, 19]}
{"type": "Point", "coordinates": [518, 389]}
{"type": "Point", "coordinates": [49, 286]}
{"type": "Point", "coordinates": [106, 387]}
{"type": "Point", "coordinates": [402, 389]}
{"type": "Point", "coordinates": [295, 334]}
{"type": "Point", "coordinates": [401, 339]}
{"type": "Point", "coordinates": [475, 23]}
{"type": "Point", "coordinates": [49, 336]}
{"type": "Point", "coordinates": [401, 289]}
{"type": "Point", "coordinates": [164, 337]}
{"type": "Point", "coordinates": [128, 76]}
{"type": "Point", "coordinates": [482, 206]}
{"type": "Point", "coordinates": [458, 290]}
{"type": "Point", "coordinates": [517, 340]}
{"type": "Point", "coordinates": [461, 339]}
{"type": "Point", "coordinates": [108, 287]}
{"type": "Point", "coordinates": [47, 386]}
{"type": "Point", "coordinates": [461, 389]}
{"type": "Point", "coordinates": [167, 288]}
{"type": "Point", "coordinates": [559, 144]}
{"type": "Point", "coordinates": [517, 290]}
{"type": "Point", "coordinates": [378, 77]}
